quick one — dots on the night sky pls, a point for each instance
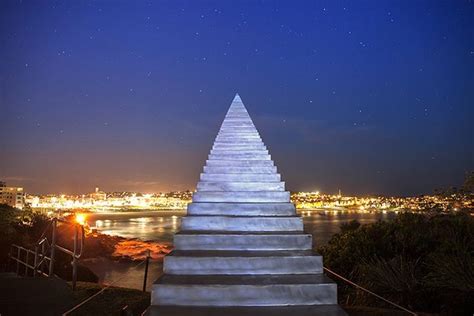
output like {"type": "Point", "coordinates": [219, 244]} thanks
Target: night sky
{"type": "Point", "coordinates": [367, 97]}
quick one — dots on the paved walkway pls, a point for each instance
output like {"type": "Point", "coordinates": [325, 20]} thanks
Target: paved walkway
{"type": "Point", "coordinates": [33, 296]}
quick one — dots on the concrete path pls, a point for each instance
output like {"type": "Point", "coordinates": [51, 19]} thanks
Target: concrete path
{"type": "Point", "coordinates": [33, 296]}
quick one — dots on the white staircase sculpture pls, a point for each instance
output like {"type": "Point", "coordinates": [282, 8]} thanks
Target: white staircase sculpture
{"type": "Point", "coordinates": [241, 248]}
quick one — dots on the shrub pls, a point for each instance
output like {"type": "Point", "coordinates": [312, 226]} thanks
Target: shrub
{"type": "Point", "coordinates": [422, 261]}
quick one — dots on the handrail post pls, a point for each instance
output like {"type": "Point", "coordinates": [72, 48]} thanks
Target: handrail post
{"type": "Point", "coordinates": [18, 261]}
{"type": "Point", "coordinates": [53, 248]}
{"type": "Point", "coordinates": [74, 258]}
{"type": "Point", "coordinates": [146, 270]}
{"type": "Point", "coordinates": [26, 262]}
{"type": "Point", "coordinates": [9, 262]}
{"type": "Point", "coordinates": [35, 264]}
{"type": "Point", "coordinates": [43, 254]}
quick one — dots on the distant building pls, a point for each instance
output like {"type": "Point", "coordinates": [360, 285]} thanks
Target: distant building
{"type": "Point", "coordinates": [98, 195]}
{"type": "Point", "coordinates": [13, 196]}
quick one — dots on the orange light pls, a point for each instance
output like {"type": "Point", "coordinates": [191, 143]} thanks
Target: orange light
{"type": "Point", "coordinates": [81, 219]}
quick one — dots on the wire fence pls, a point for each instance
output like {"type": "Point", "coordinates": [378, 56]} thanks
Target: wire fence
{"type": "Point", "coordinates": [368, 291]}
{"type": "Point", "coordinates": [76, 307]}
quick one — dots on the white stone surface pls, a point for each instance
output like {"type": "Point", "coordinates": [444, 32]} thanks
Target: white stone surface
{"type": "Point", "coordinates": [242, 196]}
{"type": "Point", "coordinates": [242, 209]}
{"type": "Point", "coordinates": [242, 241]}
{"type": "Point", "coordinates": [234, 263]}
{"type": "Point", "coordinates": [246, 223]}
{"type": "Point", "coordinates": [240, 186]}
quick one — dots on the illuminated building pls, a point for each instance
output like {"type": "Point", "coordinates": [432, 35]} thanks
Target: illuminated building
{"type": "Point", "coordinates": [98, 195]}
{"type": "Point", "coordinates": [13, 196]}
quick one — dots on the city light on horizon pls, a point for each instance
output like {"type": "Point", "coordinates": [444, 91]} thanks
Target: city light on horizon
{"type": "Point", "coordinates": [178, 200]}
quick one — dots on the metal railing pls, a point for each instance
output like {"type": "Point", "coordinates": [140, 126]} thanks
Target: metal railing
{"type": "Point", "coordinates": [21, 255]}
{"type": "Point", "coordinates": [369, 291]}
{"type": "Point", "coordinates": [23, 260]}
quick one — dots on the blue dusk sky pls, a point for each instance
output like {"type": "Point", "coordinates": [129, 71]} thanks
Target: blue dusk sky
{"type": "Point", "coordinates": [370, 97]}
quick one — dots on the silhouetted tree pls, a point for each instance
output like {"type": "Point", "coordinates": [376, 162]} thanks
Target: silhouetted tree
{"type": "Point", "coordinates": [468, 185]}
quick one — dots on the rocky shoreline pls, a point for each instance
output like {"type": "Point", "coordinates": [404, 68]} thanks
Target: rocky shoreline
{"type": "Point", "coordinates": [123, 249]}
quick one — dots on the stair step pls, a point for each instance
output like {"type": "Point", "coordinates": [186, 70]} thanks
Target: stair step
{"type": "Point", "coordinates": [242, 118]}
{"type": "Point", "coordinates": [240, 156]}
{"type": "Point", "coordinates": [242, 196]}
{"type": "Point", "coordinates": [240, 163]}
{"type": "Point", "coordinates": [240, 170]}
{"type": "Point", "coordinates": [227, 136]}
{"type": "Point", "coordinates": [245, 129]}
{"type": "Point", "coordinates": [240, 186]}
{"type": "Point", "coordinates": [227, 144]}
{"type": "Point", "coordinates": [246, 223]}
{"type": "Point", "coordinates": [311, 310]}
{"type": "Point", "coordinates": [242, 209]}
{"type": "Point", "coordinates": [234, 148]}
{"type": "Point", "coordinates": [238, 136]}
{"type": "Point", "coordinates": [239, 139]}
{"type": "Point", "coordinates": [234, 133]}
{"type": "Point", "coordinates": [237, 124]}
{"type": "Point", "coordinates": [240, 177]}
{"type": "Point", "coordinates": [191, 240]}
{"type": "Point", "coordinates": [248, 290]}
{"type": "Point", "coordinates": [241, 263]}
{"type": "Point", "coordinates": [238, 143]}
{"type": "Point", "coordinates": [224, 152]}
{"type": "Point", "coordinates": [246, 141]}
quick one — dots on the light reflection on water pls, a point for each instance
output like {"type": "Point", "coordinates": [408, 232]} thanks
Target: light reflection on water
{"type": "Point", "coordinates": [145, 225]}
{"type": "Point", "coordinates": [162, 225]}
{"type": "Point", "coordinates": [323, 224]}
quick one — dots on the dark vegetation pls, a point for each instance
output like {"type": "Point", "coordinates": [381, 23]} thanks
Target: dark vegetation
{"type": "Point", "coordinates": [424, 262]}
{"type": "Point", "coordinates": [467, 188]}
{"type": "Point", "coordinates": [25, 228]}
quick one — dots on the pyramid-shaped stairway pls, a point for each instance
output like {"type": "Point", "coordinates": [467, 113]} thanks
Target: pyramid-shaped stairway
{"type": "Point", "coordinates": [241, 248]}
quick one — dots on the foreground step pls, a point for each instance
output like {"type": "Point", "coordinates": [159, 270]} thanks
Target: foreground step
{"type": "Point", "coordinates": [240, 177]}
{"type": "Point", "coordinates": [238, 139]}
{"type": "Point", "coordinates": [219, 152]}
{"type": "Point", "coordinates": [240, 156]}
{"type": "Point", "coordinates": [243, 144]}
{"type": "Point", "coordinates": [246, 223]}
{"type": "Point", "coordinates": [316, 310]}
{"type": "Point", "coordinates": [242, 209]}
{"type": "Point", "coordinates": [240, 148]}
{"type": "Point", "coordinates": [231, 125]}
{"type": "Point", "coordinates": [255, 170]}
{"type": "Point", "coordinates": [234, 133]}
{"type": "Point", "coordinates": [242, 196]}
{"type": "Point", "coordinates": [240, 186]}
{"type": "Point", "coordinates": [240, 163]}
{"type": "Point", "coordinates": [247, 290]}
{"type": "Point", "coordinates": [241, 136]}
{"type": "Point", "coordinates": [246, 142]}
{"type": "Point", "coordinates": [211, 240]}
{"type": "Point", "coordinates": [242, 262]}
